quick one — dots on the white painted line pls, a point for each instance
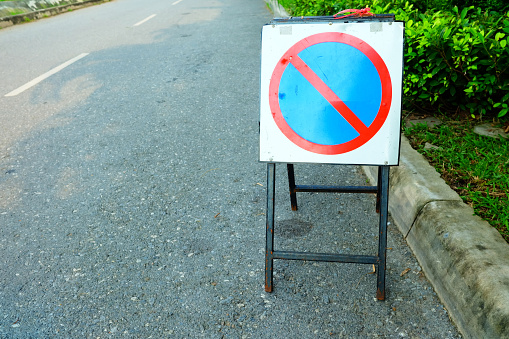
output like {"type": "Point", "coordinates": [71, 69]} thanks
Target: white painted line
{"type": "Point", "coordinates": [44, 76]}
{"type": "Point", "coordinates": [176, 2]}
{"type": "Point", "coordinates": [144, 20]}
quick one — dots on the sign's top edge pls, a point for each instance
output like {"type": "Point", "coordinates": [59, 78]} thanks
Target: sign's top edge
{"type": "Point", "coordinates": [332, 19]}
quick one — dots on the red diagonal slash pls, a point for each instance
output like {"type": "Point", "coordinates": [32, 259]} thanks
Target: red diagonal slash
{"type": "Point", "coordinates": [328, 94]}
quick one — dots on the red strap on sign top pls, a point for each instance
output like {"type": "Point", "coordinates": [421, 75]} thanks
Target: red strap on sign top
{"type": "Point", "coordinates": [356, 13]}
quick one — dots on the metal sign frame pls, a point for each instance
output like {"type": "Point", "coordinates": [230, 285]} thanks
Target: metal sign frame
{"type": "Point", "coordinates": [381, 189]}
{"type": "Point", "coordinates": [379, 260]}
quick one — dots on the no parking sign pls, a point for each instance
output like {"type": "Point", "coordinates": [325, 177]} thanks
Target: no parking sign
{"type": "Point", "coordinates": [331, 91]}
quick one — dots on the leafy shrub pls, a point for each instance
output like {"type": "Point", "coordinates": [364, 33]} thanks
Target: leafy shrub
{"type": "Point", "coordinates": [448, 5]}
{"type": "Point", "coordinates": [328, 7]}
{"type": "Point", "coordinates": [309, 7]}
{"type": "Point", "coordinates": [454, 60]}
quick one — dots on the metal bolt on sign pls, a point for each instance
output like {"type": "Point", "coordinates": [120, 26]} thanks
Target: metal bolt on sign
{"type": "Point", "coordinates": [331, 93]}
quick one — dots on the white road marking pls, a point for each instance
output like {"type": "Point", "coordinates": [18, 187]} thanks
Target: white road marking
{"type": "Point", "coordinates": [44, 76]}
{"type": "Point", "coordinates": [176, 2]}
{"type": "Point", "coordinates": [144, 20]}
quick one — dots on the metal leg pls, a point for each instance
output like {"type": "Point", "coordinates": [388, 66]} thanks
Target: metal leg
{"type": "Point", "coordinates": [269, 234]}
{"type": "Point", "coordinates": [382, 191]}
{"type": "Point", "coordinates": [291, 183]}
{"type": "Point", "coordinates": [382, 240]}
{"type": "Point", "coordinates": [378, 184]}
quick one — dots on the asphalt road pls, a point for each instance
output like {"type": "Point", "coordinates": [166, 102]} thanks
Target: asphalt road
{"type": "Point", "coordinates": [132, 203]}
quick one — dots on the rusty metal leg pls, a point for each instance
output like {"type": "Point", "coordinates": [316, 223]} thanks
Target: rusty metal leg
{"type": "Point", "coordinates": [269, 233]}
{"type": "Point", "coordinates": [291, 183]}
{"type": "Point", "coordinates": [382, 240]}
{"type": "Point", "coordinates": [378, 184]}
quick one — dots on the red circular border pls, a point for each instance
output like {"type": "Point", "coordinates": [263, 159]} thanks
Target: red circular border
{"type": "Point", "coordinates": [383, 111]}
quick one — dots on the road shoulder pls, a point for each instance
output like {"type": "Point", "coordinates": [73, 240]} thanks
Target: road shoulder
{"type": "Point", "coordinates": [34, 10]}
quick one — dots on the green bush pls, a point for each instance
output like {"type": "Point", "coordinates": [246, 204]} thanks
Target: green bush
{"type": "Point", "coordinates": [328, 7]}
{"type": "Point", "coordinates": [454, 60]}
{"type": "Point", "coordinates": [448, 5]}
{"type": "Point", "coordinates": [458, 60]}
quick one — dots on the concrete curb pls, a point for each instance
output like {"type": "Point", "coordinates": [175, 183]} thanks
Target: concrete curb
{"type": "Point", "coordinates": [465, 259]}
{"type": "Point", "coordinates": [30, 15]}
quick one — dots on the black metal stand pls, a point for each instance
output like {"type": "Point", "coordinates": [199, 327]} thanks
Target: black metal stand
{"type": "Point", "coordinates": [382, 192]}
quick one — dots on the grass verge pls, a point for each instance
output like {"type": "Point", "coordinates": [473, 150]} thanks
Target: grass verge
{"type": "Point", "coordinates": [17, 12]}
{"type": "Point", "coordinates": [475, 166]}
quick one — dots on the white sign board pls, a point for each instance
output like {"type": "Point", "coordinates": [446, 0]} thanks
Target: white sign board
{"type": "Point", "coordinates": [331, 92]}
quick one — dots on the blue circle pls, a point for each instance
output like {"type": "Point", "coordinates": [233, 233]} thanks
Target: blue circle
{"type": "Point", "coordinates": [349, 73]}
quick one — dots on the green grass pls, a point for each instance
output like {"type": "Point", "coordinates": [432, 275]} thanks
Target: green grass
{"type": "Point", "coordinates": [477, 167]}
{"type": "Point", "coordinates": [16, 12]}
